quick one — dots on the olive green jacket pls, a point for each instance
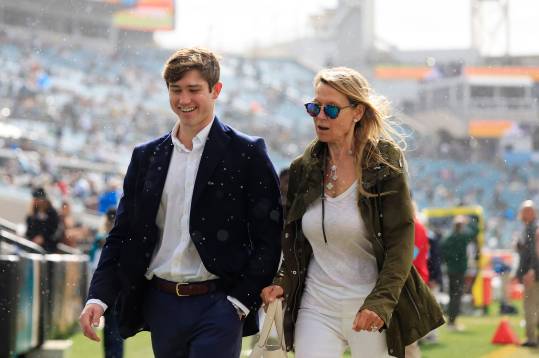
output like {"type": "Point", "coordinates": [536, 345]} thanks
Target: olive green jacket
{"type": "Point", "coordinates": [408, 313]}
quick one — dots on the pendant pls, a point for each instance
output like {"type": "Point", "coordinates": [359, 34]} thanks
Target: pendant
{"type": "Point", "coordinates": [329, 186]}
{"type": "Point", "coordinates": [333, 172]}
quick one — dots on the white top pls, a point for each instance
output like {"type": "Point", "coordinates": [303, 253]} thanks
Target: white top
{"type": "Point", "coordinates": [176, 258]}
{"type": "Point", "coordinates": [344, 268]}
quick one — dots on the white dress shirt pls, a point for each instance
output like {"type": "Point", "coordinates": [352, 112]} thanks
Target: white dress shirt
{"type": "Point", "coordinates": [175, 257]}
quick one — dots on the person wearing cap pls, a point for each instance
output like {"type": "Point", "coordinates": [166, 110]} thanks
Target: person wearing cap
{"type": "Point", "coordinates": [528, 270]}
{"type": "Point", "coordinates": [454, 254]}
{"type": "Point", "coordinates": [42, 221]}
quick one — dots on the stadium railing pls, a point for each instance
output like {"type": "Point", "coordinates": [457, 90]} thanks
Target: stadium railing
{"type": "Point", "coordinates": [41, 294]}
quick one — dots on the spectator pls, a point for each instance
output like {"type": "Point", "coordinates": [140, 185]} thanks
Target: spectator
{"type": "Point", "coordinates": [528, 270]}
{"type": "Point", "coordinates": [421, 250]}
{"type": "Point", "coordinates": [109, 199]}
{"type": "Point", "coordinates": [434, 261]}
{"type": "Point", "coordinates": [42, 221]}
{"type": "Point", "coordinates": [454, 253]}
{"type": "Point", "coordinates": [70, 232]}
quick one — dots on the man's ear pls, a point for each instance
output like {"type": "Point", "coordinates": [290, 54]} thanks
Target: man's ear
{"type": "Point", "coordinates": [216, 89]}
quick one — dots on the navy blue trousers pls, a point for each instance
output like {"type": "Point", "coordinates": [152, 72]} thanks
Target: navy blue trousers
{"type": "Point", "coordinates": [113, 344]}
{"type": "Point", "coordinates": [193, 327]}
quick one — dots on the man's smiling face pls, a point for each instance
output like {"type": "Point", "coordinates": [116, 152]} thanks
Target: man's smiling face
{"type": "Point", "coordinates": [192, 100]}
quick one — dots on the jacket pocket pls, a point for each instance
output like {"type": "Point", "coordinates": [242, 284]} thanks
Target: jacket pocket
{"type": "Point", "coordinates": [419, 313]}
{"type": "Point", "coordinates": [412, 301]}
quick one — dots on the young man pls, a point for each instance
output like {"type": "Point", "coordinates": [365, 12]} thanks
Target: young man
{"type": "Point", "coordinates": [197, 232]}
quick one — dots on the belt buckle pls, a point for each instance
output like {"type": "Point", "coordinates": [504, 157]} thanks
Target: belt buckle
{"type": "Point", "coordinates": [178, 288]}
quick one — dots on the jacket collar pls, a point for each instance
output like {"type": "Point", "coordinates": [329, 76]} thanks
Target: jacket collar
{"type": "Point", "coordinates": [198, 140]}
{"type": "Point", "coordinates": [156, 173]}
{"type": "Point", "coordinates": [309, 186]}
{"type": "Point", "coordinates": [214, 148]}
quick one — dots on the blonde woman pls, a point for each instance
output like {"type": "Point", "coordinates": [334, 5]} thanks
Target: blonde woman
{"type": "Point", "coordinates": [347, 277]}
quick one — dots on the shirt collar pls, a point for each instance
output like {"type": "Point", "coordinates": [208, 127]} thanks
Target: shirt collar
{"type": "Point", "coordinates": [198, 140]}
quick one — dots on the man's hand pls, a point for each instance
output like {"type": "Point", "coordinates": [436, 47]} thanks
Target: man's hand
{"type": "Point", "coordinates": [529, 278]}
{"type": "Point", "coordinates": [367, 320]}
{"type": "Point", "coordinates": [270, 293]}
{"type": "Point", "coordinates": [89, 317]}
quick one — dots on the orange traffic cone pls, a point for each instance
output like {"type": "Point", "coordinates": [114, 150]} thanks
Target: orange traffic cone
{"type": "Point", "coordinates": [504, 334]}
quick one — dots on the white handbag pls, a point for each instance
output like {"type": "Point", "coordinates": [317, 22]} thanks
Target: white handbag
{"type": "Point", "coordinates": [262, 349]}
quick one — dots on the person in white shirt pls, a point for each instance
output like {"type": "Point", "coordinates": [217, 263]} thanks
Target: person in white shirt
{"type": "Point", "coordinates": [197, 232]}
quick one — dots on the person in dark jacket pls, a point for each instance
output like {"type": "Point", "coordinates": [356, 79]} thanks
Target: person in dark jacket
{"type": "Point", "coordinates": [284, 174]}
{"type": "Point", "coordinates": [42, 221]}
{"type": "Point", "coordinates": [434, 261]}
{"type": "Point", "coordinates": [347, 276]}
{"type": "Point", "coordinates": [197, 230]}
{"type": "Point", "coordinates": [454, 254]}
{"type": "Point", "coordinates": [528, 270]}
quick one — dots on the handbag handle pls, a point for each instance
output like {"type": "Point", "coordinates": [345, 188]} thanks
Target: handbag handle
{"type": "Point", "coordinates": [274, 314]}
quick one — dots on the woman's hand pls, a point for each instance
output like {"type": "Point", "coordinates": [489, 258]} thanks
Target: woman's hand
{"type": "Point", "coordinates": [367, 320]}
{"type": "Point", "coordinates": [270, 293]}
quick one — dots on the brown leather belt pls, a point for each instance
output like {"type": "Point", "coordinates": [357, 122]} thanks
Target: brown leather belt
{"type": "Point", "coordinates": [182, 289]}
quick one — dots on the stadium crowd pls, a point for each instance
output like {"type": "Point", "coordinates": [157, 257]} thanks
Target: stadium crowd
{"type": "Point", "coordinates": [79, 114]}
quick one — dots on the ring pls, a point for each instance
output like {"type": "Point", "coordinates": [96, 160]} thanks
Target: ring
{"type": "Point", "coordinates": [374, 328]}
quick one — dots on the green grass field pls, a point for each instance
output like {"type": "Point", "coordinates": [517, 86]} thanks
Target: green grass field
{"type": "Point", "coordinates": [473, 342]}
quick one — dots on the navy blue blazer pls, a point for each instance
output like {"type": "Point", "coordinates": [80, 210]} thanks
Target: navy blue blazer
{"type": "Point", "coordinates": [235, 223]}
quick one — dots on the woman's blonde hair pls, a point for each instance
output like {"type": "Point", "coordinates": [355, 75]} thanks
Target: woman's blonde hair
{"type": "Point", "coordinates": [375, 125]}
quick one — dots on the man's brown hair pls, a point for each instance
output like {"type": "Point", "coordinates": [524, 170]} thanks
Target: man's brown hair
{"type": "Point", "coordinates": [187, 59]}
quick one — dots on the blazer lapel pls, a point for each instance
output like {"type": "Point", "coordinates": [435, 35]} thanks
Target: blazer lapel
{"type": "Point", "coordinates": [214, 149]}
{"type": "Point", "coordinates": [154, 182]}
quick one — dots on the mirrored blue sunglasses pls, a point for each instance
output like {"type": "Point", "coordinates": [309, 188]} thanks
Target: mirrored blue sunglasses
{"type": "Point", "coordinates": [330, 110]}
